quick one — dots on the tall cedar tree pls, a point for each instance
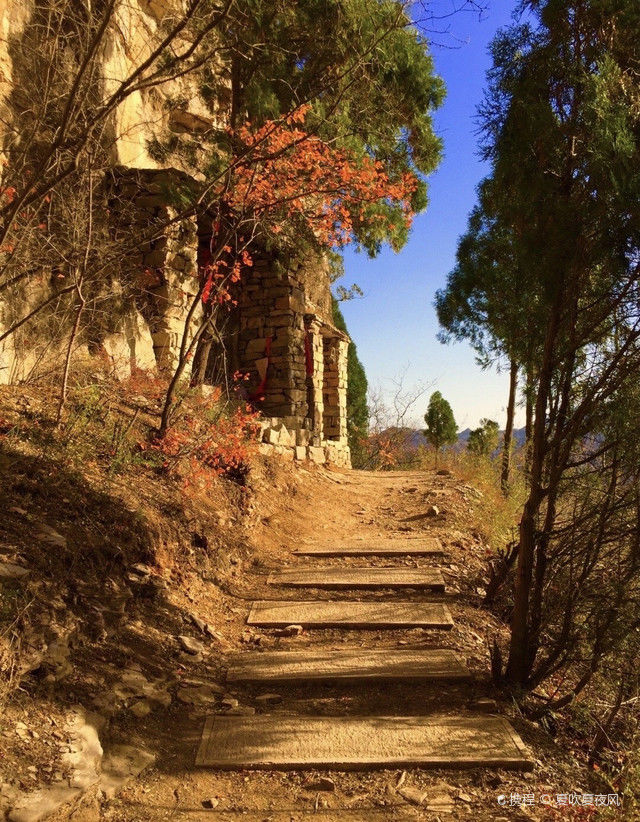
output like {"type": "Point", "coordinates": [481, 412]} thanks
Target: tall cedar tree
{"type": "Point", "coordinates": [441, 426]}
{"type": "Point", "coordinates": [357, 408]}
{"type": "Point", "coordinates": [561, 127]}
{"type": "Point", "coordinates": [491, 300]}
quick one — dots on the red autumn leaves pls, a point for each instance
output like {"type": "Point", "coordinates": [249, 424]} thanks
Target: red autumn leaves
{"type": "Point", "coordinates": [291, 180]}
{"type": "Point", "coordinates": [292, 175]}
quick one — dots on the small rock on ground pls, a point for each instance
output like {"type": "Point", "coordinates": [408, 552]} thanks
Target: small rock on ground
{"type": "Point", "coordinates": [269, 699]}
{"type": "Point", "coordinates": [290, 630]}
{"type": "Point", "coordinates": [414, 795]}
{"type": "Point", "coordinates": [190, 645]}
{"type": "Point", "coordinates": [202, 695]}
{"type": "Point", "coordinates": [8, 570]}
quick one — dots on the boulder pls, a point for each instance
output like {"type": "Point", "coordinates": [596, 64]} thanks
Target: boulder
{"type": "Point", "coordinates": [40, 804]}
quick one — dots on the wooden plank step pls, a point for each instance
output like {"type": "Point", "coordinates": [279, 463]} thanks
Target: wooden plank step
{"type": "Point", "coordinates": [347, 664]}
{"type": "Point", "coordinates": [355, 743]}
{"type": "Point", "coordinates": [341, 577]}
{"type": "Point", "coordinates": [350, 614]}
{"type": "Point", "coordinates": [429, 546]}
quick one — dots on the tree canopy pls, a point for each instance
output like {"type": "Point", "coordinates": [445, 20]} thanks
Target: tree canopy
{"type": "Point", "coordinates": [369, 76]}
{"type": "Point", "coordinates": [483, 441]}
{"type": "Point", "coordinates": [441, 426]}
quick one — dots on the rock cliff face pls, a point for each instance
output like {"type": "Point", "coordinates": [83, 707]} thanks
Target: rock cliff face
{"type": "Point", "coordinates": [143, 117]}
{"type": "Point", "coordinates": [14, 16]}
{"type": "Point", "coordinates": [281, 330]}
{"type": "Point", "coordinates": [151, 116]}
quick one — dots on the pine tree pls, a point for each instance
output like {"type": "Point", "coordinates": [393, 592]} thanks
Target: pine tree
{"type": "Point", "coordinates": [561, 126]}
{"type": "Point", "coordinates": [441, 427]}
{"type": "Point", "coordinates": [357, 408]}
{"type": "Point", "coordinates": [483, 441]}
{"type": "Point", "coordinates": [492, 300]}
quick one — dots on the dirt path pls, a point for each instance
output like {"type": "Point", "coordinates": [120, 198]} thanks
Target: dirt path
{"type": "Point", "coordinates": [346, 508]}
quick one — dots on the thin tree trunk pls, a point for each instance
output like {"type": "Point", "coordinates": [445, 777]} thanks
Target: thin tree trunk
{"type": "Point", "coordinates": [528, 423]}
{"type": "Point", "coordinates": [81, 305]}
{"type": "Point", "coordinates": [201, 359]}
{"type": "Point", "coordinates": [499, 571]}
{"type": "Point", "coordinates": [508, 431]}
{"type": "Point", "coordinates": [67, 361]}
{"type": "Point", "coordinates": [203, 349]}
{"type": "Point", "coordinates": [186, 349]}
{"type": "Point", "coordinates": [552, 490]}
{"type": "Point", "coordinates": [518, 666]}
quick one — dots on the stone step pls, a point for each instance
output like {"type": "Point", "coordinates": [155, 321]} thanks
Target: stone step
{"type": "Point", "coordinates": [348, 664]}
{"type": "Point", "coordinates": [349, 614]}
{"type": "Point", "coordinates": [341, 577]}
{"type": "Point", "coordinates": [358, 743]}
{"type": "Point", "coordinates": [428, 546]}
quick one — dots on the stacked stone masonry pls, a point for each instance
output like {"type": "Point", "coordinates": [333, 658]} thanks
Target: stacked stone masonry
{"type": "Point", "coordinates": [295, 358]}
{"type": "Point", "coordinates": [279, 334]}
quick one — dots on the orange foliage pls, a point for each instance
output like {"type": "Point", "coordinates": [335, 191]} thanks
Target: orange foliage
{"type": "Point", "coordinates": [210, 439]}
{"type": "Point", "coordinates": [290, 173]}
{"type": "Point", "coordinates": [284, 175]}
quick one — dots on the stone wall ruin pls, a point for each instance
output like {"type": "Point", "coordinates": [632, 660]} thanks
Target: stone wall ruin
{"type": "Point", "coordinates": [296, 360]}
{"type": "Point", "coordinates": [280, 333]}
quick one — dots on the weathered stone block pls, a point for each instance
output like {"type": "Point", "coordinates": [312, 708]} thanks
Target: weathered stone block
{"type": "Point", "coordinates": [302, 437]}
{"type": "Point", "coordinates": [287, 438]}
{"type": "Point", "coordinates": [271, 436]}
{"type": "Point", "coordinates": [317, 454]}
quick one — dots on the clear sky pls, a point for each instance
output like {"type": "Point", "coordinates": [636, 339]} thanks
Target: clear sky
{"type": "Point", "coordinates": [395, 324]}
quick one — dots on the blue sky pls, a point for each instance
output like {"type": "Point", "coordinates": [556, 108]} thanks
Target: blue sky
{"type": "Point", "coordinates": [395, 324]}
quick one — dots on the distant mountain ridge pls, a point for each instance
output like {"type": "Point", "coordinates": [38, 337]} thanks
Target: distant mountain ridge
{"type": "Point", "coordinates": [415, 437]}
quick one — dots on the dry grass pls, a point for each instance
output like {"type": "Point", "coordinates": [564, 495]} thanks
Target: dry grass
{"type": "Point", "coordinates": [496, 516]}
